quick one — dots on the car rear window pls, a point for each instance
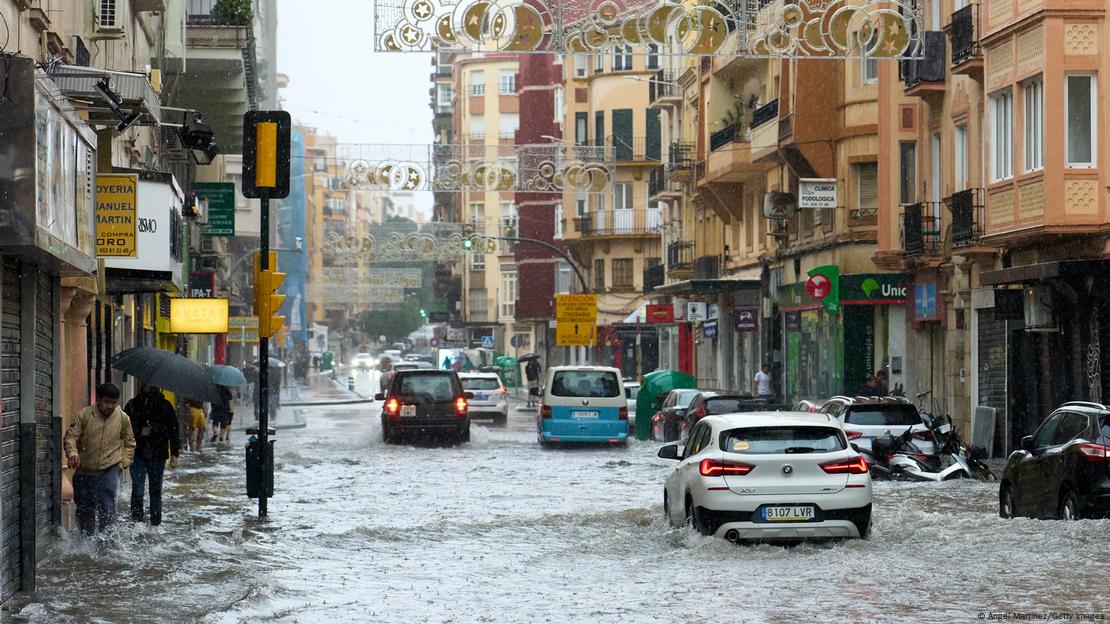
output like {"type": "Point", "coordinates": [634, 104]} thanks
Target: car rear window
{"type": "Point", "coordinates": [883, 415]}
{"type": "Point", "coordinates": [684, 399]}
{"type": "Point", "coordinates": [481, 383]}
{"type": "Point", "coordinates": [782, 439]}
{"type": "Point", "coordinates": [600, 384]}
{"type": "Point", "coordinates": [428, 386]}
{"type": "Point", "coordinates": [730, 405]}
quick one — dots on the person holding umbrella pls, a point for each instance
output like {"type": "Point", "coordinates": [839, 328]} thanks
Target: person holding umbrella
{"type": "Point", "coordinates": [154, 423]}
{"type": "Point", "coordinates": [221, 416]}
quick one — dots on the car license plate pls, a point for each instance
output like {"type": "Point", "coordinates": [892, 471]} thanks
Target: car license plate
{"type": "Point", "coordinates": [945, 428]}
{"type": "Point", "coordinates": [481, 397]}
{"type": "Point", "coordinates": [789, 513]}
{"type": "Point", "coordinates": [581, 414]}
{"type": "Point", "coordinates": [408, 411]}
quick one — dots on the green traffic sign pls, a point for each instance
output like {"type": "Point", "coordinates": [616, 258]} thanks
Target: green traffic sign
{"type": "Point", "coordinates": [221, 207]}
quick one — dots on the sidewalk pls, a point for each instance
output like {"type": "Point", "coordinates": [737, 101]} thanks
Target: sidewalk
{"type": "Point", "coordinates": [322, 389]}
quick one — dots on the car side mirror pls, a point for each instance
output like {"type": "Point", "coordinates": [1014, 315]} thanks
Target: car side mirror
{"type": "Point", "coordinates": [669, 451]}
{"type": "Point", "coordinates": [379, 396]}
{"type": "Point", "coordinates": [855, 447]}
{"type": "Point", "coordinates": [468, 395]}
{"type": "Point", "coordinates": [1027, 443]}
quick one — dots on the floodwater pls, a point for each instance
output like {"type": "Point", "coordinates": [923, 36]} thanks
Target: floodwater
{"type": "Point", "coordinates": [499, 530]}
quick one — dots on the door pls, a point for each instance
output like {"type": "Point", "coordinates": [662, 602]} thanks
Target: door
{"type": "Point", "coordinates": [622, 134]}
{"type": "Point", "coordinates": [47, 437]}
{"type": "Point", "coordinates": [1029, 486]}
{"type": "Point", "coordinates": [10, 348]}
{"type": "Point", "coordinates": [622, 208]}
{"type": "Point", "coordinates": [654, 146]}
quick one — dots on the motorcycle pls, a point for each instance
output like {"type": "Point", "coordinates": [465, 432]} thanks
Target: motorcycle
{"type": "Point", "coordinates": [896, 457]}
{"type": "Point", "coordinates": [949, 445]}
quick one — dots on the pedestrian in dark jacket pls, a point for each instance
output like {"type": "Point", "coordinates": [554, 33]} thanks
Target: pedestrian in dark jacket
{"type": "Point", "coordinates": [154, 421]}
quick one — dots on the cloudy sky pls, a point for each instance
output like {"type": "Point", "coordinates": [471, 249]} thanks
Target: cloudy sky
{"type": "Point", "coordinates": [338, 84]}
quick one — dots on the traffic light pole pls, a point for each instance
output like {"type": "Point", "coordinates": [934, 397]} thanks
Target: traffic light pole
{"type": "Point", "coordinates": [573, 265]}
{"type": "Point", "coordinates": [264, 356]}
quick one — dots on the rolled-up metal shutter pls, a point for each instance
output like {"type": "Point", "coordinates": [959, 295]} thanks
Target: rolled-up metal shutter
{"type": "Point", "coordinates": [10, 349]}
{"type": "Point", "coordinates": [47, 454]}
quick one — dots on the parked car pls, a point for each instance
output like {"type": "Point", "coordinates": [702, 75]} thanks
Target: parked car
{"type": "Point", "coordinates": [582, 404]}
{"type": "Point", "coordinates": [1063, 469]}
{"type": "Point", "coordinates": [491, 399]}
{"type": "Point", "coordinates": [866, 418]}
{"type": "Point", "coordinates": [666, 424]}
{"type": "Point", "coordinates": [769, 476]}
{"type": "Point", "coordinates": [808, 406]}
{"type": "Point", "coordinates": [363, 361]}
{"type": "Point", "coordinates": [631, 391]}
{"type": "Point", "coordinates": [425, 402]}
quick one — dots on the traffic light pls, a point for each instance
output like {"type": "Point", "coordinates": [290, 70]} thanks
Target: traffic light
{"type": "Point", "coordinates": [266, 153]}
{"type": "Point", "coordinates": [423, 313]}
{"type": "Point", "coordinates": [468, 244]}
{"type": "Point", "coordinates": [267, 302]}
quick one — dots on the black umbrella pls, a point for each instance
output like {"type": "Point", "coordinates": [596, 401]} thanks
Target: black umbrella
{"type": "Point", "coordinates": [169, 371]}
{"type": "Point", "coordinates": [530, 356]}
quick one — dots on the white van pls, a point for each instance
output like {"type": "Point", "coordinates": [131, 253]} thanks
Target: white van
{"type": "Point", "coordinates": [583, 404]}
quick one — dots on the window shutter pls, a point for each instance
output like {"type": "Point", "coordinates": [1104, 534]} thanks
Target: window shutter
{"type": "Point", "coordinates": [654, 132]}
{"type": "Point", "coordinates": [868, 178]}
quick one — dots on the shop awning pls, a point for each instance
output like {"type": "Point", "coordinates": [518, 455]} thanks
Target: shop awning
{"type": "Point", "coordinates": [133, 89]}
{"type": "Point", "coordinates": [707, 286]}
{"type": "Point", "coordinates": [1046, 270]}
{"type": "Point", "coordinates": [639, 316]}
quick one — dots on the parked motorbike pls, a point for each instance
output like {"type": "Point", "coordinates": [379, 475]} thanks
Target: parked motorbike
{"type": "Point", "coordinates": [951, 449]}
{"type": "Point", "coordinates": [896, 457]}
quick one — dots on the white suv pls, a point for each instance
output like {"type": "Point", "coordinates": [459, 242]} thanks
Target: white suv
{"type": "Point", "coordinates": [491, 399]}
{"type": "Point", "coordinates": [769, 476]}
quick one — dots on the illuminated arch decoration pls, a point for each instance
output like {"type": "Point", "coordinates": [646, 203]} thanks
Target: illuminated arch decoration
{"type": "Point", "coordinates": [552, 168]}
{"type": "Point", "coordinates": [437, 242]}
{"type": "Point", "coordinates": [890, 29]}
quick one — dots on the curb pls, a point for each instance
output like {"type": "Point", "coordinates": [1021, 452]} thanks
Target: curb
{"type": "Point", "coordinates": [324, 403]}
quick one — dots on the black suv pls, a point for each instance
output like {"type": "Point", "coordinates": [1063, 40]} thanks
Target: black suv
{"type": "Point", "coordinates": [1062, 470]}
{"type": "Point", "coordinates": [425, 402]}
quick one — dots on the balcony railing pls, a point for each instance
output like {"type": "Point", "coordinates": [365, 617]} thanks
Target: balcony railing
{"type": "Point", "coordinates": [699, 169]}
{"type": "Point", "coordinates": [209, 36]}
{"type": "Point", "coordinates": [681, 156]}
{"type": "Point", "coordinates": [964, 33]}
{"type": "Point", "coordinates": [765, 113]}
{"type": "Point", "coordinates": [721, 138]}
{"type": "Point", "coordinates": [707, 267]}
{"type": "Point", "coordinates": [968, 212]}
{"type": "Point", "coordinates": [657, 180]}
{"type": "Point", "coordinates": [680, 255]}
{"type": "Point", "coordinates": [635, 149]}
{"type": "Point", "coordinates": [662, 85]}
{"type": "Point", "coordinates": [620, 222]}
{"type": "Point", "coordinates": [921, 233]}
{"type": "Point", "coordinates": [928, 68]}
{"type": "Point", "coordinates": [654, 277]}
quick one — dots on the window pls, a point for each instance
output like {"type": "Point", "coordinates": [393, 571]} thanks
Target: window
{"type": "Point", "coordinates": [599, 63]}
{"type": "Point", "coordinates": [1080, 102]}
{"type": "Point", "coordinates": [867, 190]}
{"type": "Point", "coordinates": [507, 84]}
{"type": "Point", "coordinates": [479, 307]}
{"type": "Point", "coordinates": [1001, 115]}
{"type": "Point", "coordinates": [599, 275]}
{"type": "Point", "coordinates": [509, 222]}
{"type": "Point", "coordinates": [560, 104]}
{"type": "Point", "coordinates": [580, 203]}
{"type": "Point", "coordinates": [1072, 425]}
{"type": "Point", "coordinates": [510, 123]}
{"type": "Point", "coordinates": [585, 384]}
{"type": "Point", "coordinates": [622, 196]}
{"type": "Point", "coordinates": [581, 64]}
{"type": "Point", "coordinates": [559, 216]}
{"type": "Point", "coordinates": [581, 129]}
{"type": "Point", "coordinates": [622, 273]}
{"type": "Point", "coordinates": [477, 83]}
{"type": "Point", "coordinates": [869, 65]}
{"type": "Point", "coordinates": [478, 217]}
{"type": "Point", "coordinates": [562, 277]}
{"type": "Point", "coordinates": [444, 93]}
{"type": "Point", "coordinates": [959, 146]}
{"type": "Point", "coordinates": [478, 127]}
{"type": "Point", "coordinates": [622, 58]}
{"type": "Point", "coordinates": [1047, 432]}
{"type": "Point", "coordinates": [653, 56]}
{"type": "Point", "coordinates": [508, 291]}
{"type": "Point", "coordinates": [907, 168]}
{"type": "Point", "coordinates": [432, 385]}
{"type": "Point", "coordinates": [1034, 124]}
{"type": "Point", "coordinates": [897, 415]}
{"type": "Point", "coordinates": [783, 439]}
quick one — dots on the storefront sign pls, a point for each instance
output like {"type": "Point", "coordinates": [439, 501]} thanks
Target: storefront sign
{"type": "Point", "coordinates": [709, 330]}
{"type": "Point", "coordinates": [817, 193]}
{"type": "Point", "coordinates": [202, 285]}
{"type": "Point", "coordinates": [713, 311]}
{"type": "Point", "coordinates": [660, 313]}
{"type": "Point", "coordinates": [779, 206]}
{"type": "Point", "coordinates": [874, 289]}
{"type": "Point", "coordinates": [746, 319]}
{"type": "Point", "coordinates": [242, 329]}
{"type": "Point", "coordinates": [159, 239]}
{"type": "Point", "coordinates": [793, 321]}
{"type": "Point", "coordinates": [117, 217]}
{"type": "Point", "coordinates": [824, 286]}
{"type": "Point", "coordinates": [696, 311]}
{"type": "Point", "coordinates": [925, 302]}
{"type": "Point", "coordinates": [221, 207]}
{"type": "Point", "coordinates": [198, 316]}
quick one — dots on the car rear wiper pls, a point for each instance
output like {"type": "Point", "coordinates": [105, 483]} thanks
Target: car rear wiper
{"type": "Point", "coordinates": [800, 449]}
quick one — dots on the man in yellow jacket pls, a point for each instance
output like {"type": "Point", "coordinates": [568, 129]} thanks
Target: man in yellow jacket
{"type": "Point", "coordinates": [99, 446]}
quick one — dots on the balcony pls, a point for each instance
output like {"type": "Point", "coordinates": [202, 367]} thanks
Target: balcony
{"type": "Point", "coordinates": [635, 151]}
{"type": "Point", "coordinates": [765, 131]}
{"type": "Point", "coordinates": [681, 158]}
{"type": "Point", "coordinates": [921, 233]}
{"type": "Point", "coordinates": [721, 138]}
{"type": "Point", "coordinates": [968, 214]}
{"type": "Point", "coordinates": [924, 77]}
{"type": "Point", "coordinates": [707, 267]}
{"type": "Point", "coordinates": [663, 90]}
{"type": "Point", "coordinates": [680, 258]}
{"type": "Point", "coordinates": [618, 223]}
{"type": "Point", "coordinates": [967, 57]}
{"type": "Point", "coordinates": [654, 277]}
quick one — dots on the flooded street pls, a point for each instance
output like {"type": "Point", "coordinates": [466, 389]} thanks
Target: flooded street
{"type": "Point", "coordinates": [499, 530]}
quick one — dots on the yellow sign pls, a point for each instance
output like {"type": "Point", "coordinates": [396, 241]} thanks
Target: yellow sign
{"type": "Point", "coordinates": [198, 316]}
{"type": "Point", "coordinates": [117, 216]}
{"type": "Point", "coordinates": [568, 334]}
{"type": "Point", "coordinates": [242, 329]}
{"type": "Point", "coordinates": [576, 308]}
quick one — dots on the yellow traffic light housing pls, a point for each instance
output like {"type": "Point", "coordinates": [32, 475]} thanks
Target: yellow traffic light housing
{"type": "Point", "coordinates": [267, 302]}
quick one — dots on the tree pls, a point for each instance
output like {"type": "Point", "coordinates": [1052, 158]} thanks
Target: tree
{"type": "Point", "coordinates": [393, 324]}
{"type": "Point", "coordinates": [233, 12]}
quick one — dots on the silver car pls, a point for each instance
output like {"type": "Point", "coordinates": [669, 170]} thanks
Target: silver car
{"type": "Point", "coordinates": [491, 399]}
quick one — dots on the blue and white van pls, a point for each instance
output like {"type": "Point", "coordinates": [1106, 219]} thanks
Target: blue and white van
{"type": "Point", "coordinates": [583, 404]}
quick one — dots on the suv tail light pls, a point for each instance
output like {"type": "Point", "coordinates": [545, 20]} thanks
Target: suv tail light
{"type": "Point", "coordinates": [854, 435]}
{"type": "Point", "coordinates": [718, 468]}
{"type": "Point", "coordinates": [857, 465]}
{"type": "Point", "coordinates": [503, 390]}
{"type": "Point", "coordinates": [460, 406]}
{"type": "Point", "coordinates": [624, 413]}
{"type": "Point", "coordinates": [1094, 452]}
{"type": "Point", "coordinates": [392, 407]}
{"type": "Point", "coordinates": [545, 410]}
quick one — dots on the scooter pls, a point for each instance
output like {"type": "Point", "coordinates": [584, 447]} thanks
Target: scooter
{"type": "Point", "coordinates": [895, 457]}
{"type": "Point", "coordinates": [949, 446]}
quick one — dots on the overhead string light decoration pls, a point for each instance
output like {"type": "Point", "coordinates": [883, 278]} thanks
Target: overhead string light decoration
{"type": "Point", "coordinates": [882, 29]}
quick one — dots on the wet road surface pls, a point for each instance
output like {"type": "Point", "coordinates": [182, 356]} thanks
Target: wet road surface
{"type": "Point", "coordinates": [499, 530]}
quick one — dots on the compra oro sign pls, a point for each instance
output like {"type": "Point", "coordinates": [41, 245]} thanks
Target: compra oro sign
{"type": "Point", "coordinates": [117, 218]}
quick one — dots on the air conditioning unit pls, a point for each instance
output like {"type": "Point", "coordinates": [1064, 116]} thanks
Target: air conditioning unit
{"type": "Point", "coordinates": [1038, 313]}
{"type": "Point", "coordinates": [109, 17]}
